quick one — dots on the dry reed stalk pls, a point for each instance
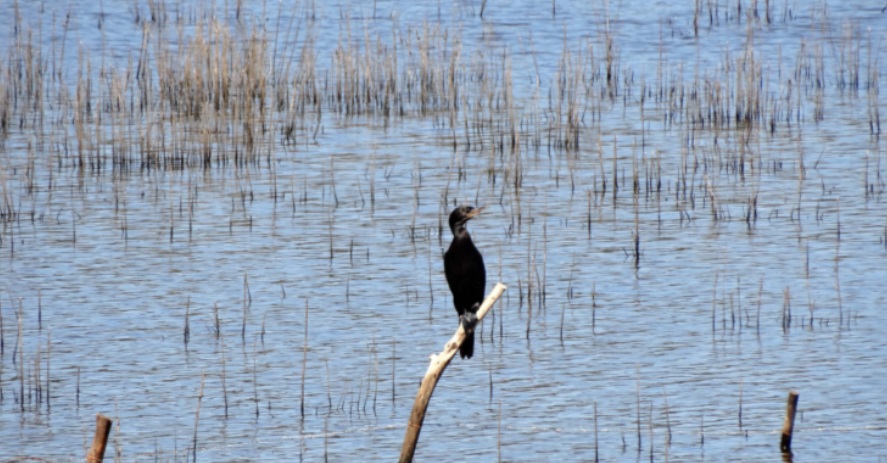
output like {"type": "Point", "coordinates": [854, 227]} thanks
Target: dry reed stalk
{"type": "Point", "coordinates": [650, 428]}
{"type": "Point", "coordinates": [326, 423]}
{"type": "Point", "coordinates": [375, 375]}
{"type": "Point", "coordinates": [393, 371]}
{"type": "Point", "coordinates": [247, 303]}
{"type": "Point", "coordinates": [667, 422]}
{"type": "Point", "coordinates": [714, 298]}
{"type": "Point", "coordinates": [221, 339]}
{"type": "Point", "coordinates": [638, 404]}
{"type": "Point", "coordinates": [38, 387]}
{"type": "Point", "coordinates": [498, 425]}
{"type": "Point", "coordinates": [741, 381]}
{"type": "Point", "coordinates": [529, 284]}
{"type": "Point", "coordinates": [48, 358]}
{"type": "Point", "coordinates": [697, 10]}
{"type": "Point", "coordinates": [21, 357]}
{"type": "Point", "coordinates": [197, 418]}
{"type": "Point", "coordinates": [304, 363]}
{"type": "Point", "coordinates": [758, 316]}
{"type": "Point", "coordinates": [837, 270]}
{"type": "Point", "coordinates": [702, 429]}
{"type": "Point", "coordinates": [637, 226]}
{"type": "Point", "coordinates": [544, 282]}
{"type": "Point", "coordinates": [255, 380]}
{"type": "Point", "coordinates": [786, 318]}
{"type": "Point", "coordinates": [596, 460]}
{"type": "Point", "coordinates": [217, 329]}
{"type": "Point", "coordinates": [187, 329]}
{"type": "Point", "coordinates": [593, 308]}
{"type": "Point", "coordinates": [329, 391]}
{"type": "Point", "coordinates": [615, 172]}
{"type": "Point", "coordinates": [810, 305]}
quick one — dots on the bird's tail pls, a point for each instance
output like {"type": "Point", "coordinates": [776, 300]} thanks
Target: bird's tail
{"type": "Point", "coordinates": [466, 350]}
{"type": "Point", "coordinates": [468, 319]}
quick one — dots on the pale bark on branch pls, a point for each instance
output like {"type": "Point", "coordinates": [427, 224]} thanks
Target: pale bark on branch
{"type": "Point", "coordinates": [436, 368]}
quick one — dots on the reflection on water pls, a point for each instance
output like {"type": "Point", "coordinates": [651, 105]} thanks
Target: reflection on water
{"type": "Point", "coordinates": [676, 261]}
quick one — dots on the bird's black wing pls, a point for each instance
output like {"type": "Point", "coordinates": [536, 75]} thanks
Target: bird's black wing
{"type": "Point", "coordinates": [466, 274]}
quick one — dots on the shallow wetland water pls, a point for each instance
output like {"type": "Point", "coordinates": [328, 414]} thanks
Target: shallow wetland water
{"type": "Point", "coordinates": [684, 200]}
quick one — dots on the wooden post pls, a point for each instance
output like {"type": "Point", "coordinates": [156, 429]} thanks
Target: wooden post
{"type": "Point", "coordinates": [438, 364]}
{"type": "Point", "coordinates": [100, 440]}
{"type": "Point", "coordinates": [789, 424]}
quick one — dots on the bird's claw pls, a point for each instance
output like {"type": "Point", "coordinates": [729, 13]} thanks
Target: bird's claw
{"type": "Point", "coordinates": [468, 320]}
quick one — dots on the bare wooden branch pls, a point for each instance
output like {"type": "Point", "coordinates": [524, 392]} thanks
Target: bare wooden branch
{"type": "Point", "coordinates": [789, 424]}
{"type": "Point", "coordinates": [100, 440]}
{"type": "Point", "coordinates": [436, 368]}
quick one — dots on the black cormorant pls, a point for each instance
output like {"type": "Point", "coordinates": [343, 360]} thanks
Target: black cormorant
{"type": "Point", "coordinates": [466, 274]}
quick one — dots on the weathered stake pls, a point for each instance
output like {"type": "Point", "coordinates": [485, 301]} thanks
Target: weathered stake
{"type": "Point", "coordinates": [789, 424]}
{"type": "Point", "coordinates": [100, 440]}
{"type": "Point", "coordinates": [438, 364]}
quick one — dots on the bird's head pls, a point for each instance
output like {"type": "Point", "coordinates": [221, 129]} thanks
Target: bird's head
{"type": "Point", "coordinates": [461, 215]}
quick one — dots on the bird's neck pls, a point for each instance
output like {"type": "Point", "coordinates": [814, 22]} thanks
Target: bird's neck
{"type": "Point", "coordinates": [461, 233]}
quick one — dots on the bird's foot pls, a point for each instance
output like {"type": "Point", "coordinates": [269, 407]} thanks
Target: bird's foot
{"type": "Point", "coordinates": [468, 320]}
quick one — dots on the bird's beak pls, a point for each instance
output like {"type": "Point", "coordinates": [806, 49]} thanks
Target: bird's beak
{"type": "Point", "coordinates": [475, 211]}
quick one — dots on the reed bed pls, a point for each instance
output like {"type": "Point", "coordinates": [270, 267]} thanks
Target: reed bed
{"type": "Point", "coordinates": [202, 93]}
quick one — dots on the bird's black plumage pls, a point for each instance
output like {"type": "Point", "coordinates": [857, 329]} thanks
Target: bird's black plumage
{"type": "Point", "coordinates": [466, 274]}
